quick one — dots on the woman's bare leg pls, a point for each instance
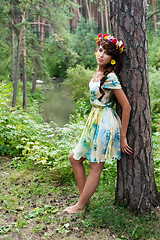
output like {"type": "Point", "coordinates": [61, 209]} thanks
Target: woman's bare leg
{"type": "Point", "coordinates": [89, 188]}
{"type": "Point", "coordinates": [79, 172]}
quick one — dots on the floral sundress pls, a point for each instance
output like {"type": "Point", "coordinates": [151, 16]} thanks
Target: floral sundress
{"type": "Point", "coordinates": [100, 139]}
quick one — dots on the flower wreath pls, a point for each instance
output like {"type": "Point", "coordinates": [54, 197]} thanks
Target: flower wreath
{"type": "Point", "coordinates": [119, 44]}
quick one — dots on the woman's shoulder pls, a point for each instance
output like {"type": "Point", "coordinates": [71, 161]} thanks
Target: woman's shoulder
{"type": "Point", "coordinates": [112, 81]}
{"type": "Point", "coordinates": [112, 75]}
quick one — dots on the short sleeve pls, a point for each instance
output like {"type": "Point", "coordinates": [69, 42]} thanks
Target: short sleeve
{"type": "Point", "coordinates": [112, 82]}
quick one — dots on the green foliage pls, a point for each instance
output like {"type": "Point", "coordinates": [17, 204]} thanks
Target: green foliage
{"type": "Point", "coordinates": [5, 60]}
{"type": "Point", "coordinates": [82, 108]}
{"type": "Point", "coordinates": [57, 15]}
{"type": "Point", "coordinates": [28, 140]}
{"type": "Point", "coordinates": [154, 53]}
{"type": "Point", "coordinates": [40, 211]}
{"type": "Point", "coordinates": [84, 44]}
{"type": "Point", "coordinates": [156, 152]}
{"type": "Point", "coordinates": [58, 54]}
{"type": "Point", "coordinates": [154, 79]}
{"type": "Point", "coordinates": [78, 82]}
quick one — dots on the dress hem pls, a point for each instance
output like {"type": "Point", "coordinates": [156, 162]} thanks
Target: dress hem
{"type": "Point", "coordinates": [107, 158]}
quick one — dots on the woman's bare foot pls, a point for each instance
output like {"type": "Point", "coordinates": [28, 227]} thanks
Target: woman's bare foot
{"type": "Point", "coordinates": [74, 209]}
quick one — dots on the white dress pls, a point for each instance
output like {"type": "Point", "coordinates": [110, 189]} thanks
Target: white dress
{"type": "Point", "coordinates": [100, 139]}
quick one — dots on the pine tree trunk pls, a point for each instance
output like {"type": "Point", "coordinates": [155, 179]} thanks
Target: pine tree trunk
{"type": "Point", "coordinates": [74, 19]}
{"type": "Point", "coordinates": [136, 186]}
{"type": "Point", "coordinates": [15, 84]}
{"type": "Point", "coordinates": [106, 13]}
{"type": "Point", "coordinates": [35, 78]}
{"type": "Point", "coordinates": [88, 10]}
{"type": "Point", "coordinates": [13, 43]}
{"type": "Point", "coordinates": [78, 12]}
{"type": "Point", "coordinates": [42, 33]}
{"type": "Point", "coordinates": [24, 68]}
{"type": "Point", "coordinates": [155, 19]}
{"type": "Point", "coordinates": [102, 21]}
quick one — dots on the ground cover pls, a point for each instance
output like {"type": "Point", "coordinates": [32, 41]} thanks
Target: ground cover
{"type": "Point", "coordinates": [32, 203]}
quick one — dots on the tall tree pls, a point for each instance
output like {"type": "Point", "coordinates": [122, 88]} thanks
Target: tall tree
{"type": "Point", "coordinates": [107, 18]}
{"type": "Point", "coordinates": [24, 64]}
{"type": "Point", "coordinates": [41, 24]}
{"type": "Point", "coordinates": [155, 19]}
{"type": "Point", "coordinates": [15, 84]}
{"type": "Point", "coordinates": [136, 185]}
{"type": "Point", "coordinates": [88, 10]}
{"type": "Point", "coordinates": [13, 40]}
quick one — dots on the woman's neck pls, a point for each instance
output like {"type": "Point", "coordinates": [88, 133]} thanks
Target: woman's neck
{"type": "Point", "coordinates": [101, 69]}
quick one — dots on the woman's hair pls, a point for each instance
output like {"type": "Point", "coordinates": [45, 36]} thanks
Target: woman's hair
{"type": "Point", "coordinates": [111, 50]}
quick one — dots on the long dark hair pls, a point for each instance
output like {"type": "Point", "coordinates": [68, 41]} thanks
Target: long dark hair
{"type": "Point", "coordinates": [111, 50]}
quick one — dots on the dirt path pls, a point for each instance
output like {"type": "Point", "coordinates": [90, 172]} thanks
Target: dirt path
{"type": "Point", "coordinates": [31, 205]}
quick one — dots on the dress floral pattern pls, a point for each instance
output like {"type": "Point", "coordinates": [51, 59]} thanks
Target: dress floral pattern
{"type": "Point", "coordinates": [100, 139]}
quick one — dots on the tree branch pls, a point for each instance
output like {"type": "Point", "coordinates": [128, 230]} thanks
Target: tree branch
{"type": "Point", "coordinates": [36, 23]}
{"type": "Point", "coordinates": [152, 14]}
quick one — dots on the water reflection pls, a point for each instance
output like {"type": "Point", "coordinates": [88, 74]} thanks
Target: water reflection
{"type": "Point", "coordinates": [58, 105]}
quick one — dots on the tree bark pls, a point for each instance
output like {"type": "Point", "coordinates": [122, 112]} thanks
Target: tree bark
{"type": "Point", "coordinates": [36, 67]}
{"type": "Point", "coordinates": [24, 67]}
{"type": "Point", "coordinates": [107, 18]}
{"type": "Point", "coordinates": [74, 19]}
{"type": "Point", "coordinates": [35, 78]}
{"type": "Point", "coordinates": [15, 84]}
{"type": "Point", "coordinates": [88, 10]}
{"type": "Point", "coordinates": [13, 43]}
{"type": "Point", "coordinates": [102, 21]}
{"type": "Point", "coordinates": [42, 34]}
{"type": "Point", "coordinates": [155, 19]}
{"type": "Point", "coordinates": [136, 186]}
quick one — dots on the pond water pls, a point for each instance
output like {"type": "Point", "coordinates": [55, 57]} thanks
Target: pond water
{"type": "Point", "coordinates": [58, 104]}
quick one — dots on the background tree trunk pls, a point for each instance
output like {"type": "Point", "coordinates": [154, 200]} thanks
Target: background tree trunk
{"type": "Point", "coordinates": [155, 19]}
{"type": "Point", "coordinates": [102, 21]}
{"type": "Point", "coordinates": [106, 13]}
{"type": "Point", "coordinates": [15, 84]}
{"type": "Point", "coordinates": [24, 67]}
{"type": "Point", "coordinates": [136, 186]}
{"type": "Point", "coordinates": [35, 78]}
{"type": "Point", "coordinates": [88, 10]}
{"type": "Point", "coordinates": [13, 43]}
{"type": "Point", "coordinates": [42, 24]}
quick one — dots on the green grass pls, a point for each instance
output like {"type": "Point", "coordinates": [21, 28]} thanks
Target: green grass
{"type": "Point", "coordinates": [32, 203]}
{"type": "Point", "coordinates": [121, 221]}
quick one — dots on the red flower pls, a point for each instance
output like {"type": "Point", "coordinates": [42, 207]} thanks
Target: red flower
{"type": "Point", "coordinates": [99, 35]}
{"type": "Point", "coordinates": [105, 35]}
{"type": "Point", "coordinates": [98, 42]}
{"type": "Point", "coordinates": [114, 41]}
{"type": "Point", "coordinates": [122, 45]}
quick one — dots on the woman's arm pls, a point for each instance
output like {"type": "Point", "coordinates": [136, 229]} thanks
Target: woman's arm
{"type": "Point", "coordinates": [126, 108]}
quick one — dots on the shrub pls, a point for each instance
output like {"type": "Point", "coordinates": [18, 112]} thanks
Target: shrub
{"type": "Point", "coordinates": [78, 82]}
{"type": "Point", "coordinates": [84, 44]}
{"type": "Point", "coordinates": [26, 140]}
{"type": "Point", "coordinates": [154, 79]}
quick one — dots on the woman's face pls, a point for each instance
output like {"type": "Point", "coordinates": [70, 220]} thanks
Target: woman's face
{"type": "Point", "coordinates": [102, 57]}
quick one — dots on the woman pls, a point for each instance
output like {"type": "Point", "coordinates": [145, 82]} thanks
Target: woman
{"type": "Point", "coordinates": [104, 135]}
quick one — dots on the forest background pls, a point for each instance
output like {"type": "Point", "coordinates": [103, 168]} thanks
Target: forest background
{"type": "Point", "coordinates": [53, 42]}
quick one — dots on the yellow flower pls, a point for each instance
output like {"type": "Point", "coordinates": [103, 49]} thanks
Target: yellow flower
{"type": "Point", "coordinates": [113, 62]}
{"type": "Point", "coordinates": [106, 37]}
{"type": "Point", "coordinates": [96, 54]}
{"type": "Point", "coordinates": [121, 49]}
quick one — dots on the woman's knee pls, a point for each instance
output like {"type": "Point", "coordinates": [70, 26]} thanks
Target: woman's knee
{"type": "Point", "coordinates": [96, 168]}
{"type": "Point", "coordinates": [71, 158]}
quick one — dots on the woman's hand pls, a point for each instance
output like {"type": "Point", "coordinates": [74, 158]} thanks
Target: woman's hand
{"type": "Point", "coordinates": [124, 146]}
